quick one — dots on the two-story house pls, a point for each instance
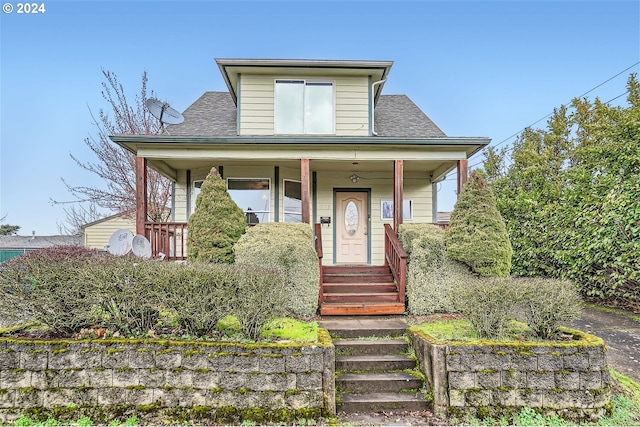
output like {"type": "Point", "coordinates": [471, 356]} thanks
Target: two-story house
{"type": "Point", "coordinates": [311, 141]}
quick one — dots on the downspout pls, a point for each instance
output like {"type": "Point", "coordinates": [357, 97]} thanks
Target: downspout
{"type": "Point", "coordinates": [373, 107]}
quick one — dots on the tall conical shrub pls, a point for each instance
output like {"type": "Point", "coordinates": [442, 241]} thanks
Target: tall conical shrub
{"type": "Point", "coordinates": [477, 234]}
{"type": "Point", "coordinates": [216, 225]}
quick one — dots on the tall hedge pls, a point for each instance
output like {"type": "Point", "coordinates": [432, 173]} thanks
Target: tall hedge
{"type": "Point", "coordinates": [216, 225]}
{"type": "Point", "coordinates": [477, 235]}
{"type": "Point", "coordinates": [288, 249]}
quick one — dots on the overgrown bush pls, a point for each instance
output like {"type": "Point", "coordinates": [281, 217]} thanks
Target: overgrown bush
{"type": "Point", "coordinates": [260, 296]}
{"type": "Point", "coordinates": [286, 248]}
{"type": "Point", "coordinates": [216, 224]}
{"type": "Point", "coordinates": [477, 235]}
{"type": "Point", "coordinates": [431, 274]}
{"type": "Point", "coordinates": [50, 286]}
{"type": "Point", "coordinates": [134, 297]}
{"type": "Point", "coordinates": [488, 304]}
{"type": "Point", "coordinates": [546, 304]}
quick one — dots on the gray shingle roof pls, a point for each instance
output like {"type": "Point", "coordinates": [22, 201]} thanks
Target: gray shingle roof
{"type": "Point", "coordinates": [38, 242]}
{"type": "Point", "coordinates": [215, 114]}
{"type": "Point", "coordinates": [398, 116]}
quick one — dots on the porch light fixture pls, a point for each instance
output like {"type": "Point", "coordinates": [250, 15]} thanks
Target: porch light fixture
{"type": "Point", "coordinates": [354, 178]}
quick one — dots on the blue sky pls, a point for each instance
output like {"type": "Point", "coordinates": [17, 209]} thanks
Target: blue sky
{"type": "Point", "coordinates": [477, 68]}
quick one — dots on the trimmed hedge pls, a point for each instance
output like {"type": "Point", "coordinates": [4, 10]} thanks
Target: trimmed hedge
{"type": "Point", "coordinates": [431, 273]}
{"type": "Point", "coordinates": [288, 249]}
{"type": "Point", "coordinates": [216, 225]}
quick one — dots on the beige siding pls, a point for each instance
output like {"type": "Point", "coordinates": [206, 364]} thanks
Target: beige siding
{"type": "Point", "coordinates": [180, 198]}
{"type": "Point", "coordinates": [97, 236]}
{"type": "Point", "coordinates": [257, 104]}
{"type": "Point", "coordinates": [416, 189]}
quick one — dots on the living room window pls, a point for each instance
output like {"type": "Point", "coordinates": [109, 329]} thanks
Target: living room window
{"type": "Point", "coordinates": [292, 202]}
{"type": "Point", "coordinates": [304, 107]}
{"type": "Point", "coordinates": [253, 197]}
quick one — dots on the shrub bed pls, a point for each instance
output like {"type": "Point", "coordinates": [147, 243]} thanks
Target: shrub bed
{"type": "Point", "coordinates": [134, 297]}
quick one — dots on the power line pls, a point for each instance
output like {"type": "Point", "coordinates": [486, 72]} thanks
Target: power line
{"type": "Point", "coordinates": [564, 105]}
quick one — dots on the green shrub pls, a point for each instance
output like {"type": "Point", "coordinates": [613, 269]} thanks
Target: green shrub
{"type": "Point", "coordinates": [216, 225]}
{"type": "Point", "coordinates": [49, 286]}
{"type": "Point", "coordinates": [286, 248]}
{"type": "Point", "coordinates": [488, 304]}
{"type": "Point", "coordinates": [431, 274]}
{"type": "Point", "coordinates": [197, 295]}
{"type": "Point", "coordinates": [260, 296]}
{"type": "Point", "coordinates": [477, 234]}
{"type": "Point", "coordinates": [546, 304]}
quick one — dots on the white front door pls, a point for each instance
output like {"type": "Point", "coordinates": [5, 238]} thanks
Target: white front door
{"type": "Point", "coordinates": [352, 226]}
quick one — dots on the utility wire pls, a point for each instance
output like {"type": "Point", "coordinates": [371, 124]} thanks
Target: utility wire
{"type": "Point", "coordinates": [564, 105]}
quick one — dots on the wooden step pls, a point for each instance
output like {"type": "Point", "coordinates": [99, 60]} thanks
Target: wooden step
{"type": "Point", "coordinates": [365, 298]}
{"type": "Point", "coordinates": [355, 270]}
{"type": "Point", "coordinates": [354, 288]}
{"type": "Point", "coordinates": [354, 308]}
{"type": "Point", "coordinates": [371, 278]}
{"type": "Point", "coordinates": [375, 362]}
{"type": "Point", "coordinates": [394, 382]}
{"type": "Point", "coordinates": [370, 347]}
{"type": "Point", "coordinates": [377, 402]}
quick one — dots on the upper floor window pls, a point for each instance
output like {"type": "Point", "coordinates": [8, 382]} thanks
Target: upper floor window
{"type": "Point", "coordinates": [304, 107]}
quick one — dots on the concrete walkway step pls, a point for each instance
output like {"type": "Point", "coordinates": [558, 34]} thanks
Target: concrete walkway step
{"type": "Point", "coordinates": [378, 347]}
{"type": "Point", "coordinates": [364, 327]}
{"type": "Point", "coordinates": [375, 362]}
{"type": "Point", "coordinates": [376, 402]}
{"type": "Point", "coordinates": [394, 382]}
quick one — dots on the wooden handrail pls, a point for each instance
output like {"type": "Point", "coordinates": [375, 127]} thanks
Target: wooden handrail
{"type": "Point", "coordinates": [318, 246]}
{"type": "Point", "coordinates": [396, 258]}
{"type": "Point", "coordinates": [168, 239]}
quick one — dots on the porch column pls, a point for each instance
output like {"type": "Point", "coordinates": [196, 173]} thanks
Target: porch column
{"type": "Point", "coordinates": [141, 194]}
{"type": "Point", "coordinates": [462, 174]}
{"type": "Point", "coordinates": [305, 184]}
{"type": "Point", "coordinates": [398, 176]}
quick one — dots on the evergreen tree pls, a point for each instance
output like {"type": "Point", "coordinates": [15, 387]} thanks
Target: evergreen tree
{"type": "Point", "coordinates": [477, 235]}
{"type": "Point", "coordinates": [216, 225]}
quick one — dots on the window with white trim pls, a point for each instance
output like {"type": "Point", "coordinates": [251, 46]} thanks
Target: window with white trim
{"type": "Point", "coordinates": [253, 196]}
{"type": "Point", "coordinates": [292, 202]}
{"type": "Point", "coordinates": [304, 107]}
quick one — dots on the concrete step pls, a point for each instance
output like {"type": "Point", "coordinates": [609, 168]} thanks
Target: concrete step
{"type": "Point", "coordinates": [394, 382]}
{"type": "Point", "coordinates": [376, 402]}
{"type": "Point", "coordinates": [371, 347]}
{"type": "Point", "coordinates": [365, 327]}
{"type": "Point", "coordinates": [386, 362]}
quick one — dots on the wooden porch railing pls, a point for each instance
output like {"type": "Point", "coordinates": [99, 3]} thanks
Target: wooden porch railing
{"type": "Point", "coordinates": [167, 238]}
{"type": "Point", "coordinates": [318, 246]}
{"type": "Point", "coordinates": [396, 258]}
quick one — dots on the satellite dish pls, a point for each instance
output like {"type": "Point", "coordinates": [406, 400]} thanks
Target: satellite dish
{"type": "Point", "coordinates": [120, 242]}
{"type": "Point", "coordinates": [163, 112]}
{"type": "Point", "coordinates": [141, 246]}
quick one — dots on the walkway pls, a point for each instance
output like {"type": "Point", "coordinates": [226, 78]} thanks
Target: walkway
{"type": "Point", "coordinates": [620, 330]}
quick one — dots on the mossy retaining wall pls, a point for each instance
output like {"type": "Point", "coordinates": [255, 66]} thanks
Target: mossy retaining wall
{"type": "Point", "coordinates": [492, 379]}
{"type": "Point", "coordinates": [210, 382]}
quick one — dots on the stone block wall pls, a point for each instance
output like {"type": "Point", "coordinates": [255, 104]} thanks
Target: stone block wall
{"type": "Point", "coordinates": [220, 380]}
{"type": "Point", "coordinates": [570, 379]}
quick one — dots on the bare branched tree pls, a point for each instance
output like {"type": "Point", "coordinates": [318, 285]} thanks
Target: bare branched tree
{"type": "Point", "coordinates": [116, 165]}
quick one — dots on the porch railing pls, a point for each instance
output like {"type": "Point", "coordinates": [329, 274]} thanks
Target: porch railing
{"type": "Point", "coordinates": [396, 258]}
{"type": "Point", "coordinates": [318, 246]}
{"type": "Point", "coordinates": [168, 239]}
